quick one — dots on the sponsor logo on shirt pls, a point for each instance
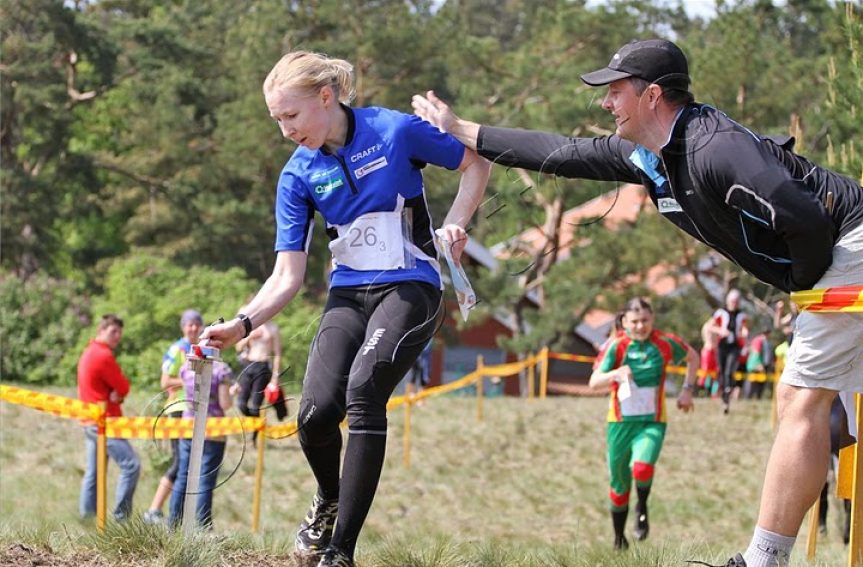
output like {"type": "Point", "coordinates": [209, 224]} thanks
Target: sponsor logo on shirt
{"type": "Point", "coordinates": [375, 165]}
{"type": "Point", "coordinates": [328, 186]}
{"type": "Point", "coordinates": [668, 205]}
{"type": "Point", "coordinates": [366, 153]}
{"type": "Point", "coordinates": [322, 174]}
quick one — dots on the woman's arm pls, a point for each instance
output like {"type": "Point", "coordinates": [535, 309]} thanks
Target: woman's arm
{"type": "Point", "coordinates": [279, 289]}
{"type": "Point", "coordinates": [475, 171]}
{"type": "Point", "coordinates": [225, 401]}
{"type": "Point", "coordinates": [277, 353]}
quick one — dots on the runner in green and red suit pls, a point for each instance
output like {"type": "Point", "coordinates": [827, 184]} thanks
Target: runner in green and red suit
{"type": "Point", "coordinates": [633, 366]}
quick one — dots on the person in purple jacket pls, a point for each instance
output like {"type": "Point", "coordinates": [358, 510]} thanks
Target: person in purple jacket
{"type": "Point", "coordinates": [214, 448]}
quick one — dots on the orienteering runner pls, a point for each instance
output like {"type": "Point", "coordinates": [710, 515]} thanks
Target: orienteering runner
{"type": "Point", "coordinates": [634, 367]}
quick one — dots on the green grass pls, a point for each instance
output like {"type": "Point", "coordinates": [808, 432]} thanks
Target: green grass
{"type": "Point", "coordinates": [525, 487]}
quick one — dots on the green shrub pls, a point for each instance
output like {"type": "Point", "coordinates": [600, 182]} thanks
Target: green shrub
{"type": "Point", "coordinates": [42, 320]}
{"type": "Point", "coordinates": [150, 294]}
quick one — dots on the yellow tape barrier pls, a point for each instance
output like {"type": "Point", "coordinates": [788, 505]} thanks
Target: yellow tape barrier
{"type": "Point", "coordinates": [58, 405]}
{"type": "Point", "coordinates": [760, 376]}
{"type": "Point", "coordinates": [846, 299]}
{"type": "Point", "coordinates": [281, 431]}
{"type": "Point", "coordinates": [128, 427]}
{"type": "Point", "coordinates": [177, 428]}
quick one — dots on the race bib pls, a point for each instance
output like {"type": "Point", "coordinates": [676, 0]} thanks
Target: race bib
{"type": "Point", "coordinates": [640, 401]}
{"type": "Point", "coordinates": [374, 241]}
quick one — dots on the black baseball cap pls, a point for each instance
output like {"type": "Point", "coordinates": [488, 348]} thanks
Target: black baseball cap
{"type": "Point", "coordinates": [655, 60]}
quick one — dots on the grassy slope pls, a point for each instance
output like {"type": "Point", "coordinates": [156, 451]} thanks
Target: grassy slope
{"type": "Point", "coordinates": [527, 486]}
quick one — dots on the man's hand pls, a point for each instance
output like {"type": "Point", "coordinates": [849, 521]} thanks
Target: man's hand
{"type": "Point", "coordinates": [455, 238]}
{"type": "Point", "coordinates": [434, 111]}
{"type": "Point", "coordinates": [685, 401]}
{"type": "Point", "coordinates": [115, 398]}
{"type": "Point", "coordinates": [223, 335]}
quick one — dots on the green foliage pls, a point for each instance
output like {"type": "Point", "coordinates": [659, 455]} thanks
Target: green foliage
{"type": "Point", "coordinates": [40, 321]}
{"type": "Point", "coordinates": [150, 293]}
{"type": "Point", "coordinates": [138, 128]}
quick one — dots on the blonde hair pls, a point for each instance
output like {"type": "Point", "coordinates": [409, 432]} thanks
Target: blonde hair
{"type": "Point", "coordinates": [311, 72]}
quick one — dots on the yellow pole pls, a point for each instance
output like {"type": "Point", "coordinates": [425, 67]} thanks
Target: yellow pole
{"type": "Point", "coordinates": [543, 376]}
{"type": "Point", "coordinates": [812, 538]}
{"type": "Point", "coordinates": [101, 467]}
{"type": "Point", "coordinates": [479, 387]}
{"type": "Point", "coordinates": [406, 443]}
{"type": "Point", "coordinates": [855, 546]}
{"type": "Point", "coordinates": [259, 476]}
{"type": "Point", "coordinates": [531, 379]}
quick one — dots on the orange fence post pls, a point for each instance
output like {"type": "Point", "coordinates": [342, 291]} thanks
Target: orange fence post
{"type": "Point", "coordinates": [479, 386]}
{"type": "Point", "coordinates": [406, 441]}
{"type": "Point", "coordinates": [259, 475]}
{"type": "Point", "coordinates": [855, 546]}
{"type": "Point", "coordinates": [812, 537]}
{"type": "Point", "coordinates": [531, 378]}
{"type": "Point", "coordinates": [101, 467]}
{"type": "Point", "coordinates": [543, 376]}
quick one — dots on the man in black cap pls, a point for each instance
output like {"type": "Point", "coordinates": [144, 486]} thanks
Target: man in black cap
{"type": "Point", "coordinates": [777, 215]}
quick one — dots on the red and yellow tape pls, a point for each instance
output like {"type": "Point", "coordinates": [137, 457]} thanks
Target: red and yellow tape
{"type": "Point", "coordinates": [177, 428]}
{"type": "Point", "coordinates": [844, 299]}
{"type": "Point", "coordinates": [127, 427]}
{"type": "Point", "coordinates": [57, 405]}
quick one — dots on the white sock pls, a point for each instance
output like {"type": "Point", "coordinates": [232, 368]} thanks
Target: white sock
{"type": "Point", "coordinates": [768, 549]}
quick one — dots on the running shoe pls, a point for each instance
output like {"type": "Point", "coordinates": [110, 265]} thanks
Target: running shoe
{"type": "Point", "coordinates": [736, 561]}
{"type": "Point", "coordinates": [620, 543]}
{"type": "Point", "coordinates": [642, 526]}
{"type": "Point", "coordinates": [317, 529]}
{"type": "Point", "coordinates": [154, 517]}
{"type": "Point", "coordinates": [332, 557]}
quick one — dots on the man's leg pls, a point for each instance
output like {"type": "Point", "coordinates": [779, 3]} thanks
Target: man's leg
{"type": "Point", "coordinates": [795, 472]}
{"type": "Point", "coordinates": [619, 441]}
{"type": "Point", "coordinates": [122, 452]}
{"type": "Point", "coordinates": [645, 453]}
{"type": "Point", "coordinates": [87, 502]}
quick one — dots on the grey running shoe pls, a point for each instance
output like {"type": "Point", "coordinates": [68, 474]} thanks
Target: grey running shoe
{"type": "Point", "coordinates": [317, 529]}
{"type": "Point", "coordinates": [736, 561]}
{"type": "Point", "coordinates": [332, 557]}
{"type": "Point", "coordinates": [154, 517]}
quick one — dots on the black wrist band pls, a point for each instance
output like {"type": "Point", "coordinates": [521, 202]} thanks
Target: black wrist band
{"type": "Point", "coordinates": [247, 324]}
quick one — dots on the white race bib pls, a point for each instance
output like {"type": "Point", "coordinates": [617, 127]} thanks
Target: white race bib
{"type": "Point", "coordinates": [641, 401]}
{"type": "Point", "coordinates": [374, 241]}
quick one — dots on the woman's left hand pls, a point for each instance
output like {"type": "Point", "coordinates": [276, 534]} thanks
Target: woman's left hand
{"type": "Point", "coordinates": [454, 237]}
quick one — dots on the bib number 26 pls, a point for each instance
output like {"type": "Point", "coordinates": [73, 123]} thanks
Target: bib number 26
{"type": "Point", "coordinates": [367, 237]}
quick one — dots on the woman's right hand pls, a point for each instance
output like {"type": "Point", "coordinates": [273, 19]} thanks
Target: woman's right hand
{"type": "Point", "coordinates": [434, 111]}
{"type": "Point", "coordinates": [223, 335]}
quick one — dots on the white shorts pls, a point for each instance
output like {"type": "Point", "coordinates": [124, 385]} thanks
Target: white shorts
{"type": "Point", "coordinates": [827, 350]}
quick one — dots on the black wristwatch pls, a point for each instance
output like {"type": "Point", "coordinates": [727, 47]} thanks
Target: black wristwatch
{"type": "Point", "coordinates": [247, 324]}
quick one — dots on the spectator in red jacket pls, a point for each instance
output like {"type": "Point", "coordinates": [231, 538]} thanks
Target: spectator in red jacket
{"type": "Point", "coordinates": [101, 380]}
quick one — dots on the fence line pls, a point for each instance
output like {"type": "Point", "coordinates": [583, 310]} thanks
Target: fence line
{"type": "Point", "coordinates": [850, 473]}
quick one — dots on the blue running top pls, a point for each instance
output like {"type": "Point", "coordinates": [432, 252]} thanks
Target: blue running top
{"type": "Point", "coordinates": [381, 160]}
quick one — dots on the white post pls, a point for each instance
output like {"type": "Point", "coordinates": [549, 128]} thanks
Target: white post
{"type": "Point", "coordinates": [200, 359]}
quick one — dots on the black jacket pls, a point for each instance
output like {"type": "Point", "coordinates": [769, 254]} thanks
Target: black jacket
{"type": "Point", "coordinates": [747, 196]}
